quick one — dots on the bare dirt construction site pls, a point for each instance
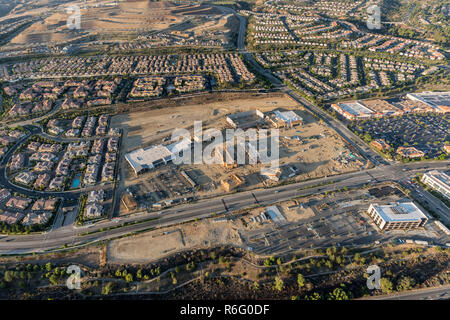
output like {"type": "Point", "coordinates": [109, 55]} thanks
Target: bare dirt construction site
{"type": "Point", "coordinates": [122, 19]}
{"type": "Point", "coordinates": [307, 151]}
{"type": "Point", "coordinates": [154, 245]}
{"type": "Point", "coordinates": [145, 128]}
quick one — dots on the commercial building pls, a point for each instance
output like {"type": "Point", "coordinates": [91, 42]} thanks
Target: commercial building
{"type": "Point", "coordinates": [397, 215]}
{"type": "Point", "coordinates": [274, 214]}
{"type": "Point", "coordinates": [439, 181]}
{"type": "Point", "coordinates": [245, 120]}
{"type": "Point", "coordinates": [129, 202]}
{"type": "Point", "coordinates": [281, 119]}
{"type": "Point", "coordinates": [146, 159]}
{"type": "Point", "coordinates": [380, 144]}
{"type": "Point", "coordinates": [271, 173]}
{"type": "Point", "coordinates": [232, 182]}
{"type": "Point", "coordinates": [440, 101]}
{"type": "Point", "coordinates": [381, 107]}
{"type": "Point", "coordinates": [352, 110]}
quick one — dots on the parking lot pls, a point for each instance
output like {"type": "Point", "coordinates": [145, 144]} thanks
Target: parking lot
{"type": "Point", "coordinates": [427, 133]}
{"type": "Point", "coordinates": [158, 187]}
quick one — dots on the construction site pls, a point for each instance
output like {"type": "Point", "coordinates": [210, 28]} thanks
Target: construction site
{"type": "Point", "coordinates": [308, 149]}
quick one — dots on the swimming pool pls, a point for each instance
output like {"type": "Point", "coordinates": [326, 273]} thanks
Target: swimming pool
{"type": "Point", "coordinates": [76, 181]}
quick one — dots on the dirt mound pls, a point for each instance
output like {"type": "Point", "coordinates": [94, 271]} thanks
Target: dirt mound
{"type": "Point", "coordinates": [146, 4]}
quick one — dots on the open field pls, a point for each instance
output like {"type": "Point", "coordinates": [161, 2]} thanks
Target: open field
{"type": "Point", "coordinates": [154, 245]}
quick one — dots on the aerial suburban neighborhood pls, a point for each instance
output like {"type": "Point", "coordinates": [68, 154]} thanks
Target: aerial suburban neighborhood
{"type": "Point", "coordinates": [224, 150]}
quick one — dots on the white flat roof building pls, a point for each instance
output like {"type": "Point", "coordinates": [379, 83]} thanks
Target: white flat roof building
{"type": "Point", "coordinates": [148, 158]}
{"type": "Point", "coordinates": [397, 215]}
{"type": "Point", "coordinates": [437, 100]}
{"type": "Point", "coordinates": [439, 181]}
{"type": "Point", "coordinates": [288, 118]}
{"type": "Point", "coordinates": [353, 110]}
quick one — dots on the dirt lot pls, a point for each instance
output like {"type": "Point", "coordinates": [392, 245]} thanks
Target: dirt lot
{"type": "Point", "coordinates": [144, 128]}
{"type": "Point", "coordinates": [154, 245]}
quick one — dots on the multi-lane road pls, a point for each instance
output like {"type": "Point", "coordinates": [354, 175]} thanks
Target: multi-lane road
{"type": "Point", "coordinates": [68, 235]}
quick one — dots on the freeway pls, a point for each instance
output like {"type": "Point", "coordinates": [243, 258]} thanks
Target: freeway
{"type": "Point", "coordinates": [68, 235]}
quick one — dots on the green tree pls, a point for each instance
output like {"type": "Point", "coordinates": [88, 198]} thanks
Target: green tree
{"type": "Point", "coordinates": [338, 294]}
{"type": "Point", "coordinates": [314, 296]}
{"type": "Point", "coordinates": [405, 283]}
{"type": "Point", "coordinates": [108, 288]}
{"type": "Point", "coordinates": [9, 276]}
{"type": "Point", "coordinates": [300, 280]}
{"type": "Point", "coordinates": [129, 278]}
{"type": "Point", "coordinates": [386, 285]}
{"type": "Point", "coordinates": [53, 279]}
{"type": "Point", "coordinates": [278, 284]}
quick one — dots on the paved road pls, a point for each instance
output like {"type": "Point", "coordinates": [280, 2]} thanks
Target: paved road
{"type": "Point", "coordinates": [69, 235]}
{"type": "Point", "coordinates": [437, 293]}
{"type": "Point", "coordinates": [30, 121]}
{"type": "Point", "coordinates": [437, 205]}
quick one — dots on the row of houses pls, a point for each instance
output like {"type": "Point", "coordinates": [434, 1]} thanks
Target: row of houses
{"type": "Point", "coordinates": [225, 65]}
{"type": "Point", "coordinates": [23, 210]}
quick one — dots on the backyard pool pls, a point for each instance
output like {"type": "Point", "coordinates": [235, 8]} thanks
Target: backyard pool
{"type": "Point", "coordinates": [76, 181]}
